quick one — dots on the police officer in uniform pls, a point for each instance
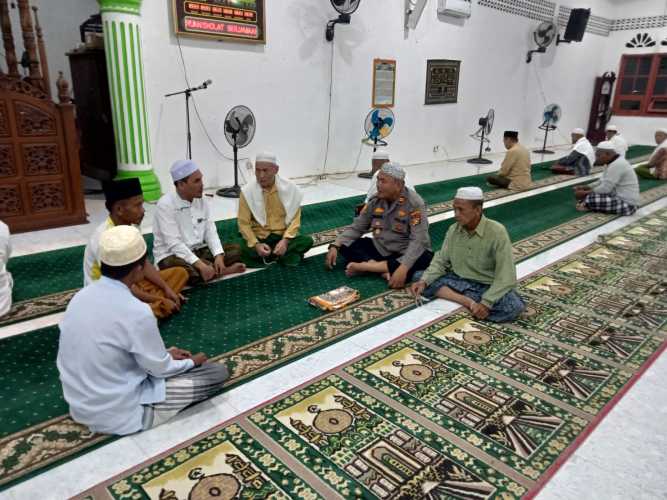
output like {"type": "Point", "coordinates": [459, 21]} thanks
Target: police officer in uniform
{"type": "Point", "coordinates": [400, 245]}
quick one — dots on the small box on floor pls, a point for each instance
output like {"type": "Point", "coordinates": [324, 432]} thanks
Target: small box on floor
{"type": "Point", "coordinates": [335, 299]}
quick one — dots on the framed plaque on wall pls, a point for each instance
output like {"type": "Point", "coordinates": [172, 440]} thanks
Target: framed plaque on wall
{"type": "Point", "coordinates": [234, 20]}
{"type": "Point", "coordinates": [384, 83]}
{"type": "Point", "coordinates": [442, 81]}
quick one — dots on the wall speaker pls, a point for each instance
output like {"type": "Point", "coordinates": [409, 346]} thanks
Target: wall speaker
{"type": "Point", "coordinates": [576, 26]}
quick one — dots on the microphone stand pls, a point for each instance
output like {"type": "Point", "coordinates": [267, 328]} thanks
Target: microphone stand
{"type": "Point", "coordinates": [188, 95]}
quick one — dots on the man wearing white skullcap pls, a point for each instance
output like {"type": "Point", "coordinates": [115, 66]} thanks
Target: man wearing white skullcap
{"type": "Point", "coordinates": [580, 160]}
{"type": "Point", "coordinates": [656, 168]}
{"type": "Point", "coordinates": [613, 135]}
{"type": "Point", "coordinates": [117, 376]}
{"type": "Point", "coordinates": [475, 266]}
{"type": "Point", "coordinates": [185, 232]}
{"type": "Point", "coordinates": [269, 217]}
{"type": "Point", "coordinates": [398, 220]}
{"type": "Point", "coordinates": [617, 191]}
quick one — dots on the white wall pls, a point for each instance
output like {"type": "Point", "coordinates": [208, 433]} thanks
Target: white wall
{"type": "Point", "coordinates": [286, 83]}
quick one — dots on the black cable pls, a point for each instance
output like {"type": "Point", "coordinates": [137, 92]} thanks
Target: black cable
{"type": "Point", "coordinates": [326, 150]}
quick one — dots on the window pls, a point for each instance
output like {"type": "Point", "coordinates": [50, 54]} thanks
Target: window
{"type": "Point", "coordinates": [642, 86]}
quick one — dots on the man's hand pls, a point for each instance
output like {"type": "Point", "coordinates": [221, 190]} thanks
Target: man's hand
{"type": "Point", "coordinates": [219, 264]}
{"type": "Point", "coordinates": [263, 250]}
{"type": "Point", "coordinates": [207, 272]}
{"type": "Point", "coordinates": [179, 354]}
{"type": "Point", "coordinates": [397, 280]}
{"type": "Point", "coordinates": [479, 311]}
{"type": "Point", "coordinates": [174, 297]}
{"type": "Point", "coordinates": [200, 358]}
{"type": "Point", "coordinates": [418, 288]}
{"type": "Point", "coordinates": [281, 248]}
{"type": "Point", "coordinates": [332, 256]}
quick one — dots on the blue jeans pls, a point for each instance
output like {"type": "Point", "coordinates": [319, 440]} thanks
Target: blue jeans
{"type": "Point", "coordinates": [508, 308]}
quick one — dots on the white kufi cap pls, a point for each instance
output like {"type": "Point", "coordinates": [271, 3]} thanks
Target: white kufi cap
{"type": "Point", "coordinates": [470, 193]}
{"type": "Point", "coordinates": [607, 146]}
{"type": "Point", "coordinates": [394, 170]}
{"type": "Point", "coordinates": [662, 130]}
{"type": "Point", "coordinates": [182, 169]}
{"type": "Point", "coordinates": [121, 245]}
{"type": "Point", "coordinates": [267, 157]}
{"type": "Point", "coordinates": [611, 128]}
{"type": "Point", "coordinates": [579, 131]}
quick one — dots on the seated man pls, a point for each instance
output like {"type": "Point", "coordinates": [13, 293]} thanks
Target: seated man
{"type": "Point", "coordinates": [656, 168]}
{"type": "Point", "coordinates": [161, 289]}
{"type": "Point", "coordinates": [379, 159]}
{"type": "Point", "coordinates": [400, 245]}
{"type": "Point", "coordinates": [116, 374]}
{"type": "Point", "coordinates": [615, 137]}
{"type": "Point", "coordinates": [6, 281]}
{"type": "Point", "coordinates": [515, 172]}
{"type": "Point", "coordinates": [475, 266]}
{"type": "Point", "coordinates": [269, 217]}
{"type": "Point", "coordinates": [617, 191]}
{"type": "Point", "coordinates": [185, 233]}
{"type": "Point", "coordinates": [580, 160]}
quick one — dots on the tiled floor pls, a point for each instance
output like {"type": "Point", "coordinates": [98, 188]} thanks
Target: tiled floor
{"type": "Point", "coordinates": [623, 458]}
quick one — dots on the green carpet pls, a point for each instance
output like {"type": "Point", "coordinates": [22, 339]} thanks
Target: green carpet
{"type": "Point", "coordinates": [61, 270]}
{"type": "Point", "coordinates": [458, 408]}
{"type": "Point", "coordinates": [228, 315]}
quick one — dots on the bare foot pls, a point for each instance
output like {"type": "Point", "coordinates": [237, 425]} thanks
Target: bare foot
{"type": "Point", "coordinates": [581, 207]}
{"type": "Point", "coordinates": [352, 269]}
{"type": "Point", "coordinates": [237, 268]}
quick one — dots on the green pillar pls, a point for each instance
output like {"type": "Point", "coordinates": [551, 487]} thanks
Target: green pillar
{"type": "Point", "coordinates": [122, 42]}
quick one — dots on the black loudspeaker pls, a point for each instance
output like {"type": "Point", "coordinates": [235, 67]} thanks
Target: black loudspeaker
{"type": "Point", "coordinates": [576, 26]}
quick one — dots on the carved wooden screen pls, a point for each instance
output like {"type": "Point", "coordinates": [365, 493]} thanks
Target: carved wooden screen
{"type": "Point", "coordinates": [40, 180]}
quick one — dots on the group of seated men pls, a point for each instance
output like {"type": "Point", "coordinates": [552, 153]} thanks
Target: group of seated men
{"type": "Point", "coordinates": [117, 374]}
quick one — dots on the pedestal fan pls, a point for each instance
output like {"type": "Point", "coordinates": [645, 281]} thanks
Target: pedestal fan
{"type": "Point", "coordinates": [378, 125]}
{"type": "Point", "coordinates": [552, 115]}
{"type": "Point", "coordinates": [239, 131]}
{"type": "Point", "coordinates": [482, 135]}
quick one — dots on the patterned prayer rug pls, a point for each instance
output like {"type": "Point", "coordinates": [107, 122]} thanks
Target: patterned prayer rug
{"type": "Point", "coordinates": [61, 272]}
{"type": "Point", "coordinates": [459, 408]}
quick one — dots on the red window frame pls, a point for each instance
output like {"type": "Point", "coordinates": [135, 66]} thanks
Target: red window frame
{"type": "Point", "coordinates": [648, 96]}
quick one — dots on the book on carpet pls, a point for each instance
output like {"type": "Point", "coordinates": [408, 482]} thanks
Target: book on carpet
{"type": "Point", "coordinates": [335, 299]}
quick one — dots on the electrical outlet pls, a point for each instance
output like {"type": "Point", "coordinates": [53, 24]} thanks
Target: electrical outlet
{"type": "Point", "coordinates": [436, 148]}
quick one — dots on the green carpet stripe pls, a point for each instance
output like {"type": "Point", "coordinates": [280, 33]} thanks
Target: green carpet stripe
{"type": "Point", "coordinates": [61, 270]}
{"type": "Point", "coordinates": [233, 313]}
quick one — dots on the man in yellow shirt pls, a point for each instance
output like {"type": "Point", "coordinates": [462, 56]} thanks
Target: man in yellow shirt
{"type": "Point", "coordinates": [515, 172]}
{"type": "Point", "coordinates": [269, 218]}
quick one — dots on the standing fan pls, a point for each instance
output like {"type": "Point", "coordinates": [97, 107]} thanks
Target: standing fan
{"type": "Point", "coordinates": [544, 35]}
{"type": "Point", "coordinates": [378, 125]}
{"type": "Point", "coordinates": [240, 127]}
{"type": "Point", "coordinates": [552, 115]}
{"type": "Point", "coordinates": [482, 135]}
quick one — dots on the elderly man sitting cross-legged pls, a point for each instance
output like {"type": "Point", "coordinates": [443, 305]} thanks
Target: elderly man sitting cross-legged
{"type": "Point", "coordinates": [116, 374]}
{"type": "Point", "coordinates": [269, 217]}
{"type": "Point", "coordinates": [400, 245]}
{"type": "Point", "coordinates": [475, 266]}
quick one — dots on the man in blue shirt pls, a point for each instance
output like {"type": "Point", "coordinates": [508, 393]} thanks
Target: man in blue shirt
{"type": "Point", "coordinates": [117, 375]}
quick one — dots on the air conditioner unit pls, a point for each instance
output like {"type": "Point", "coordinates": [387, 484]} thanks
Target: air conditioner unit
{"type": "Point", "coordinates": [455, 8]}
{"type": "Point", "coordinates": [413, 12]}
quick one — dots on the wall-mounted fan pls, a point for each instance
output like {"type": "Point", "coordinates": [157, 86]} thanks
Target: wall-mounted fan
{"type": "Point", "coordinates": [345, 9]}
{"type": "Point", "coordinates": [413, 12]}
{"type": "Point", "coordinates": [551, 116]}
{"type": "Point", "coordinates": [544, 35]}
{"type": "Point", "coordinates": [482, 135]}
{"type": "Point", "coordinates": [240, 128]}
{"type": "Point", "coordinates": [378, 125]}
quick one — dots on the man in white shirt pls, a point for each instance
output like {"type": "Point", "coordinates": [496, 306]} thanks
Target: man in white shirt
{"type": "Point", "coordinates": [6, 281]}
{"type": "Point", "coordinates": [185, 232]}
{"type": "Point", "coordinates": [117, 376]}
{"type": "Point", "coordinates": [580, 160]}
{"type": "Point", "coordinates": [160, 289]}
{"type": "Point", "coordinates": [615, 137]}
{"type": "Point", "coordinates": [617, 191]}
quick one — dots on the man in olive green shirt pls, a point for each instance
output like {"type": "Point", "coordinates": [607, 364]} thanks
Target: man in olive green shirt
{"type": "Point", "coordinates": [475, 266]}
